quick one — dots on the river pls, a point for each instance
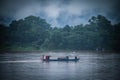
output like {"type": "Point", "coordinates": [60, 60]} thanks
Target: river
{"type": "Point", "coordinates": [91, 66]}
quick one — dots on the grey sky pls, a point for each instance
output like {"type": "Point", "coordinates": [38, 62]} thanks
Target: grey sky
{"type": "Point", "coordinates": [59, 12]}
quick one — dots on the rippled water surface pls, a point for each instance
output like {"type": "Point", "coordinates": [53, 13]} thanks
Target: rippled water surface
{"type": "Point", "coordinates": [28, 66]}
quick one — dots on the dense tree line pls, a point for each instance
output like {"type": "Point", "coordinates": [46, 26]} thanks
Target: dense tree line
{"type": "Point", "coordinates": [36, 33]}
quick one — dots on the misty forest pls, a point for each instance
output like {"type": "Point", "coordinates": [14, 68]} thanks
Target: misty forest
{"type": "Point", "coordinates": [34, 33]}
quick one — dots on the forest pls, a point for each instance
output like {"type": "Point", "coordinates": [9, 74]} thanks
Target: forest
{"type": "Point", "coordinates": [34, 33]}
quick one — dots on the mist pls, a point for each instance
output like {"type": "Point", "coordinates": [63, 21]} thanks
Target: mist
{"type": "Point", "coordinates": [59, 12]}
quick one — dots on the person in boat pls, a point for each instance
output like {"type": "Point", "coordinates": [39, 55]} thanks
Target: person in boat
{"type": "Point", "coordinates": [63, 58]}
{"type": "Point", "coordinates": [60, 58]}
{"type": "Point", "coordinates": [67, 57]}
{"type": "Point", "coordinates": [42, 57]}
{"type": "Point", "coordinates": [76, 57]}
{"type": "Point", "coordinates": [47, 57]}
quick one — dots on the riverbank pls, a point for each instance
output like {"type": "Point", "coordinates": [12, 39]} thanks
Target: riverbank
{"type": "Point", "coordinates": [41, 51]}
{"type": "Point", "coordinates": [31, 49]}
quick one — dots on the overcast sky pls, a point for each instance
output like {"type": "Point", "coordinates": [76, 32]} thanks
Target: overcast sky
{"type": "Point", "coordinates": [59, 12]}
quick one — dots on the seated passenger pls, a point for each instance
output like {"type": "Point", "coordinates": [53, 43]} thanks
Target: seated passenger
{"type": "Point", "coordinates": [67, 57]}
{"type": "Point", "coordinates": [76, 57]}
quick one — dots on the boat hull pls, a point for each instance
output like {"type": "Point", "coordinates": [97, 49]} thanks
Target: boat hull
{"type": "Point", "coordinates": [61, 60]}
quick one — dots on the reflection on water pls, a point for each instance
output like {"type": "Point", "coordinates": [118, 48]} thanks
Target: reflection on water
{"type": "Point", "coordinates": [28, 66]}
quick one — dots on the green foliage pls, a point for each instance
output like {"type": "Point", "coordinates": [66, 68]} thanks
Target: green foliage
{"type": "Point", "coordinates": [34, 33]}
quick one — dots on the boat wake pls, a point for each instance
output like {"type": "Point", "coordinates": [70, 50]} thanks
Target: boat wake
{"type": "Point", "coordinates": [20, 61]}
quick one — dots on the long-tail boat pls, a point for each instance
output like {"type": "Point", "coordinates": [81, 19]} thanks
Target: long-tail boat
{"type": "Point", "coordinates": [47, 58]}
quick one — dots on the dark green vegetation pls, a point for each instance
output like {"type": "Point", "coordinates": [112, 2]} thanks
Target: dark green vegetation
{"type": "Point", "coordinates": [34, 33]}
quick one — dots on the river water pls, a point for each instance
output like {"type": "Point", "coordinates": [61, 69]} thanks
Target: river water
{"type": "Point", "coordinates": [91, 66]}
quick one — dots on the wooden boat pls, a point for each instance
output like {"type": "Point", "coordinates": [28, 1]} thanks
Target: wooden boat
{"type": "Point", "coordinates": [60, 59]}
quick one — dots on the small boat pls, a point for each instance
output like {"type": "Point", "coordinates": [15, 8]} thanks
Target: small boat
{"type": "Point", "coordinates": [47, 58]}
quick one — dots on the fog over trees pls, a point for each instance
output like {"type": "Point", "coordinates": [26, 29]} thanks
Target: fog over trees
{"type": "Point", "coordinates": [34, 33]}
